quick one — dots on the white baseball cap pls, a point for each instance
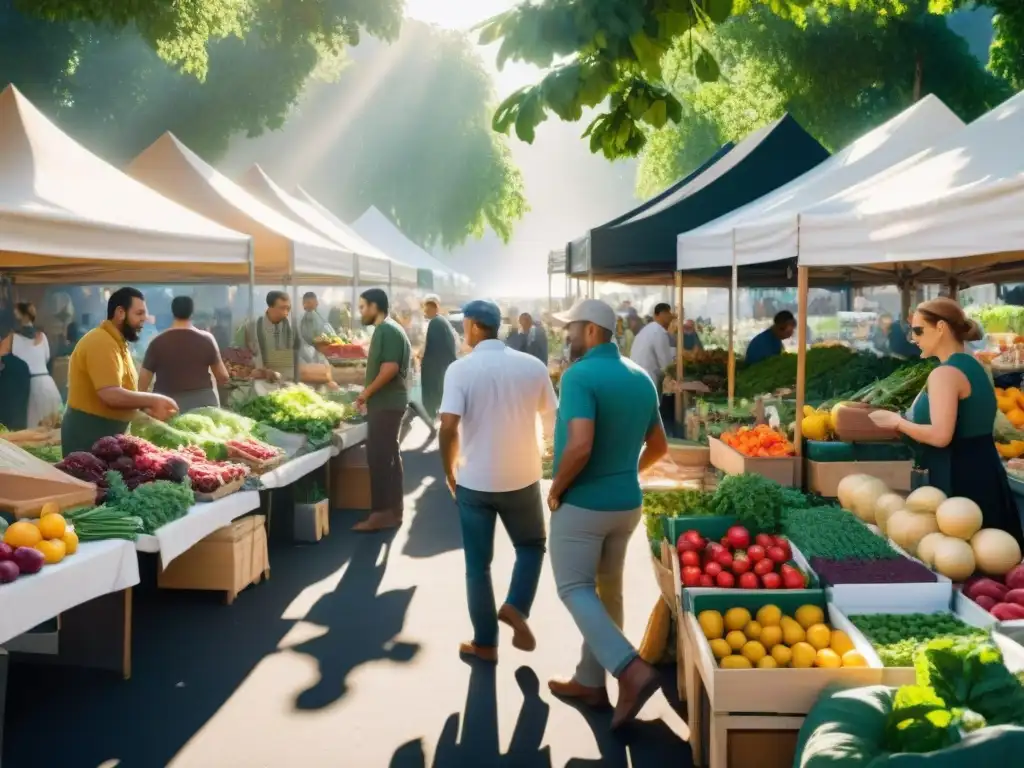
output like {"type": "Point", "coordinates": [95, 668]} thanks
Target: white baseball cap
{"type": "Point", "coordinates": [432, 298]}
{"type": "Point", "coordinates": [589, 311]}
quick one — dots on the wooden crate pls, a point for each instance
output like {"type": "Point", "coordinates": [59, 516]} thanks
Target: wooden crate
{"type": "Point", "coordinates": [311, 521]}
{"type": "Point", "coordinates": [732, 462]}
{"type": "Point", "coordinates": [823, 477]}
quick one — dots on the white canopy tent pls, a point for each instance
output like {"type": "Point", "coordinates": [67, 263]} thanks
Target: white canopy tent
{"type": "Point", "coordinates": [66, 215]}
{"type": "Point", "coordinates": [766, 229]}
{"type": "Point", "coordinates": [959, 212]}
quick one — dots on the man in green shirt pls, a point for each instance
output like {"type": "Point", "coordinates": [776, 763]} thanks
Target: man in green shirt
{"type": "Point", "coordinates": [385, 398]}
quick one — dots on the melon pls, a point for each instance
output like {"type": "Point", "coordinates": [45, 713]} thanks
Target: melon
{"type": "Point", "coordinates": [959, 517]}
{"type": "Point", "coordinates": [996, 552]}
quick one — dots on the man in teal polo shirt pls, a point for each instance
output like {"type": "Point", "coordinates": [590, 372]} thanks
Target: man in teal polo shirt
{"type": "Point", "coordinates": [608, 430]}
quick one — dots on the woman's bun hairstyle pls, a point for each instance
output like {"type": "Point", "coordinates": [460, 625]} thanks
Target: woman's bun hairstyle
{"type": "Point", "coordinates": [952, 314]}
{"type": "Point", "coordinates": [26, 309]}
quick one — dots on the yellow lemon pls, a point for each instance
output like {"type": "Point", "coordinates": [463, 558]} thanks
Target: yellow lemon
{"type": "Point", "coordinates": [753, 630]}
{"type": "Point", "coordinates": [736, 639]}
{"type": "Point", "coordinates": [819, 636]}
{"type": "Point", "coordinates": [803, 655]}
{"type": "Point", "coordinates": [854, 659]}
{"type": "Point", "coordinates": [828, 659]}
{"type": "Point", "coordinates": [792, 633]}
{"type": "Point", "coordinates": [736, 618]}
{"type": "Point", "coordinates": [809, 615]}
{"type": "Point", "coordinates": [769, 615]}
{"type": "Point", "coordinates": [841, 642]}
{"type": "Point", "coordinates": [754, 651]}
{"type": "Point", "coordinates": [782, 655]}
{"type": "Point", "coordinates": [735, 662]}
{"type": "Point", "coordinates": [720, 648]}
{"type": "Point", "coordinates": [711, 623]}
{"type": "Point", "coordinates": [770, 637]}
{"type": "Point", "coordinates": [767, 663]}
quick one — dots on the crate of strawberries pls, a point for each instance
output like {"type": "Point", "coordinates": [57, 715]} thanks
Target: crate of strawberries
{"type": "Point", "coordinates": [718, 553]}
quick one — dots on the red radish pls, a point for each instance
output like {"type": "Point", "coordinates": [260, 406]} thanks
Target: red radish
{"type": "Point", "coordinates": [985, 602]}
{"type": "Point", "coordinates": [706, 581]}
{"type": "Point", "coordinates": [772, 581]}
{"type": "Point", "coordinates": [764, 540]}
{"type": "Point", "coordinates": [712, 569]}
{"type": "Point", "coordinates": [1015, 578]}
{"type": "Point", "coordinates": [725, 580]}
{"type": "Point", "coordinates": [738, 536]}
{"type": "Point", "coordinates": [740, 565]}
{"type": "Point", "coordinates": [685, 545]}
{"type": "Point", "coordinates": [749, 581]}
{"type": "Point", "coordinates": [1008, 611]}
{"type": "Point", "coordinates": [793, 580]}
{"type": "Point", "coordinates": [761, 567]}
{"type": "Point", "coordinates": [724, 558]}
{"type": "Point", "coordinates": [755, 552]}
{"type": "Point", "coordinates": [696, 538]}
{"type": "Point", "coordinates": [777, 554]}
{"type": "Point", "coordinates": [691, 576]}
{"type": "Point", "coordinates": [690, 559]}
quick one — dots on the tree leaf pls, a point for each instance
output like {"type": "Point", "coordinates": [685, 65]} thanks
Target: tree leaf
{"type": "Point", "coordinates": [705, 67]}
{"type": "Point", "coordinates": [673, 24]}
{"type": "Point", "coordinates": [507, 111]}
{"type": "Point", "coordinates": [657, 115]}
{"type": "Point", "coordinates": [648, 53]}
{"type": "Point", "coordinates": [718, 10]}
{"type": "Point", "coordinates": [491, 31]}
{"type": "Point", "coordinates": [596, 78]}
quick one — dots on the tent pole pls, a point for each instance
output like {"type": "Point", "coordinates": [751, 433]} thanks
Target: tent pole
{"type": "Point", "coordinates": [295, 305]}
{"type": "Point", "coordinates": [802, 283]}
{"type": "Point", "coordinates": [355, 294]}
{"type": "Point", "coordinates": [733, 290]}
{"type": "Point", "coordinates": [680, 401]}
{"type": "Point", "coordinates": [252, 280]}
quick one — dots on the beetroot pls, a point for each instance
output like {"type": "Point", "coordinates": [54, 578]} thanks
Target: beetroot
{"type": "Point", "coordinates": [986, 602]}
{"type": "Point", "coordinates": [9, 571]}
{"type": "Point", "coordinates": [1008, 611]}
{"type": "Point", "coordinates": [1014, 596]}
{"type": "Point", "coordinates": [31, 560]}
{"type": "Point", "coordinates": [108, 449]}
{"type": "Point", "coordinates": [1015, 578]}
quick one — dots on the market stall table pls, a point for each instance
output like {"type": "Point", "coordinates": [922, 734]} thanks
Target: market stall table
{"type": "Point", "coordinates": [348, 436]}
{"type": "Point", "coordinates": [296, 469]}
{"type": "Point", "coordinates": [204, 518]}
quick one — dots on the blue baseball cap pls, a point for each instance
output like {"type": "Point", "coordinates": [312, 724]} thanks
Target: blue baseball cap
{"type": "Point", "coordinates": [483, 311]}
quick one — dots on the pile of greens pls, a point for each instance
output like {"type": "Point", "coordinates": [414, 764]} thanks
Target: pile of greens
{"type": "Point", "coordinates": [755, 501]}
{"type": "Point", "coordinates": [661, 504]}
{"type": "Point", "coordinates": [169, 437]}
{"type": "Point", "coordinates": [896, 391]}
{"type": "Point", "coordinates": [126, 513]}
{"type": "Point", "coordinates": [1001, 318]}
{"type": "Point", "coordinates": [832, 533]}
{"type": "Point", "coordinates": [962, 686]}
{"type": "Point", "coordinates": [51, 454]}
{"type": "Point", "coordinates": [896, 637]}
{"type": "Point", "coordinates": [297, 409]}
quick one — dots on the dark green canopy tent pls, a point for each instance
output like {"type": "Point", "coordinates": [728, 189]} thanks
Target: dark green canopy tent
{"type": "Point", "coordinates": [641, 245]}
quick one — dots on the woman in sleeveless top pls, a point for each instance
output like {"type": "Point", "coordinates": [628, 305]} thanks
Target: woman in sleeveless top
{"type": "Point", "coordinates": [33, 348]}
{"type": "Point", "coordinates": [951, 420]}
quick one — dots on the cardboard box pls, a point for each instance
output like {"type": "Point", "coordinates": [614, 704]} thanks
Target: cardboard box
{"type": "Point", "coordinates": [823, 477]}
{"type": "Point", "coordinates": [228, 560]}
{"type": "Point", "coordinates": [311, 522]}
{"type": "Point", "coordinates": [732, 462]}
{"type": "Point", "coordinates": [350, 479]}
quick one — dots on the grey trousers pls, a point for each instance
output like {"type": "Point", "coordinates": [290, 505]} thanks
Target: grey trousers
{"type": "Point", "coordinates": [588, 553]}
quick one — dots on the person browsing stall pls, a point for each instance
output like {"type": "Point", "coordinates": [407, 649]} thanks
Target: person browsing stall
{"type": "Point", "coordinates": [385, 398]}
{"type": "Point", "coordinates": [311, 327]}
{"type": "Point", "coordinates": [272, 340]}
{"type": "Point", "coordinates": [492, 464]}
{"type": "Point", "coordinates": [185, 362]}
{"type": "Point", "coordinates": [951, 420]}
{"type": "Point", "coordinates": [103, 394]}
{"type": "Point", "coordinates": [608, 430]}
{"type": "Point", "coordinates": [440, 349]}
{"type": "Point", "coordinates": [652, 347]}
{"type": "Point", "coordinates": [768, 342]}
{"type": "Point", "coordinates": [33, 348]}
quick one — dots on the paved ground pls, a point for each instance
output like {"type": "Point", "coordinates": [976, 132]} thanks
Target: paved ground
{"type": "Point", "coordinates": [346, 657]}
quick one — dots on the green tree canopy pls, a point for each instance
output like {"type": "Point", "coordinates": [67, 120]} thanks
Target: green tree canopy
{"type": "Point", "coordinates": [772, 65]}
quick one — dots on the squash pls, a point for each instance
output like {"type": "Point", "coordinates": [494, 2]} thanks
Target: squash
{"type": "Point", "coordinates": [861, 496]}
{"type": "Point", "coordinates": [885, 506]}
{"type": "Point", "coordinates": [996, 552]}
{"type": "Point", "coordinates": [815, 426]}
{"type": "Point", "coordinates": [907, 528]}
{"type": "Point", "coordinates": [954, 559]}
{"type": "Point", "coordinates": [652, 647]}
{"type": "Point", "coordinates": [959, 517]}
{"type": "Point", "coordinates": [926, 548]}
{"type": "Point", "coordinates": [925, 499]}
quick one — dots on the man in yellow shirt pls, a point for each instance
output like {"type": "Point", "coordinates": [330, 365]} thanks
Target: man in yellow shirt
{"type": "Point", "coordinates": [103, 391]}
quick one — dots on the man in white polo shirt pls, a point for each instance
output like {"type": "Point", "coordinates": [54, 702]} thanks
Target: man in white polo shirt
{"type": "Point", "coordinates": [492, 462]}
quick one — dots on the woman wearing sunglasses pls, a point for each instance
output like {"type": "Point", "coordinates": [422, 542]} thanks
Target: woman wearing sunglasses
{"type": "Point", "coordinates": [951, 420]}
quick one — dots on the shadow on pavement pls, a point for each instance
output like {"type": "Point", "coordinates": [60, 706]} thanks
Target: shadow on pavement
{"type": "Point", "coordinates": [362, 625]}
{"type": "Point", "coordinates": [434, 530]}
{"type": "Point", "coordinates": [642, 744]}
{"type": "Point", "coordinates": [477, 745]}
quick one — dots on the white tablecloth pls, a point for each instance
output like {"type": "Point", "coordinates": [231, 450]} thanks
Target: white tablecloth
{"type": "Point", "coordinates": [346, 438]}
{"type": "Point", "coordinates": [294, 469]}
{"type": "Point", "coordinates": [202, 519]}
{"type": "Point", "coordinates": [96, 569]}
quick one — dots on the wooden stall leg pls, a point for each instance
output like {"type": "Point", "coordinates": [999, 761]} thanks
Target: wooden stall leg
{"type": "Point", "coordinates": [718, 749]}
{"type": "Point", "coordinates": [126, 657]}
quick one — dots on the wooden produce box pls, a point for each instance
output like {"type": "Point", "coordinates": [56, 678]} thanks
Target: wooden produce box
{"type": "Point", "coordinates": [823, 477]}
{"type": "Point", "coordinates": [732, 462]}
{"type": "Point", "coordinates": [689, 454]}
{"type": "Point", "coordinates": [311, 522]}
{"type": "Point", "coordinates": [350, 479]}
{"type": "Point", "coordinates": [27, 483]}
{"type": "Point", "coordinates": [753, 700]}
{"type": "Point", "coordinates": [228, 560]}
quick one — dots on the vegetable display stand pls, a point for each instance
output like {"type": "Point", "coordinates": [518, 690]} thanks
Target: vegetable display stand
{"type": "Point", "coordinates": [823, 477]}
{"type": "Point", "coordinates": [732, 462]}
{"type": "Point", "coordinates": [227, 560]}
{"type": "Point", "coordinates": [311, 522]}
{"type": "Point", "coordinates": [225, 490]}
{"type": "Point", "coordinates": [725, 703]}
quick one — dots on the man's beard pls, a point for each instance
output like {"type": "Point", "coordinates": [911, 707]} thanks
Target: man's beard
{"type": "Point", "coordinates": [368, 319]}
{"type": "Point", "coordinates": [576, 350]}
{"type": "Point", "coordinates": [130, 334]}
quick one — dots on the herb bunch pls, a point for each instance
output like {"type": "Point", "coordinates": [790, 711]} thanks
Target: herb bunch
{"type": "Point", "coordinates": [832, 533]}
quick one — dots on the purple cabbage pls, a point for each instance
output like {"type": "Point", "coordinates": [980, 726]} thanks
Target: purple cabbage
{"type": "Point", "coordinates": [108, 449]}
{"type": "Point", "coordinates": [899, 570]}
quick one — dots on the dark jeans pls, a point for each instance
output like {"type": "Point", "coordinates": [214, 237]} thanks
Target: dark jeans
{"type": "Point", "coordinates": [522, 514]}
{"type": "Point", "coordinates": [385, 460]}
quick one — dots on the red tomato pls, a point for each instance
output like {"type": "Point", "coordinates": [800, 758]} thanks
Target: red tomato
{"type": "Point", "coordinates": [783, 543]}
{"type": "Point", "coordinates": [777, 554]}
{"type": "Point", "coordinates": [738, 536]}
{"type": "Point", "coordinates": [725, 580]}
{"type": "Point", "coordinates": [691, 576]}
{"type": "Point", "coordinates": [724, 558]}
{"type": "Point", "coordinates": [772, 581]}
{"type": "Point", "coordinates": [740, 565]}
{"type": "Point", "coordinates": [749, 581]}
{"type": "Point", "coordinates": [755, 552]}
{"type": "Point", "coordinates": [712, 569]}
{"type": "Point", "coordinates": [706, 581]}
{"type": "Point", "coordinates": [793, 579]}
{"type": "Point", "coordinates": [761, 567]}
{"type": "Point", "coordinates": [764, 540]}
{"type": "Point", "coordinates": [685, 545]}
{"type": "Point", "coordinates": [690, 559]}
{"type": "Point", "coordinates": [696, 538]}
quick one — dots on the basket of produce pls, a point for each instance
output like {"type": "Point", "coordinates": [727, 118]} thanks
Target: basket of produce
{"type": "Point", "coordinates": [225, 489]}
{"type": "Point", "coordinates": [759, 450]}
{"type": "Point", "coordinates": [297, 409]}
{"type": "Point", "coordinates": [239, 362]}
{"type": "Point", "coordinates": [258, 457]}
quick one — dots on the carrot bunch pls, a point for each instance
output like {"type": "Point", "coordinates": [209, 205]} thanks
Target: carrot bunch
{"type": "Point", "coordinates": [761, 442]}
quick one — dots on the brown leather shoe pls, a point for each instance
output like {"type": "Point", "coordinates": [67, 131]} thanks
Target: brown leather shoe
{"type": "Point", "coordinates": [574, 691]}
{"type": "Point", "coordinates": [482, 652]}
{"type": "Point", "coordinates": [637, 683]}
{"type": "Point", "coordinates": [378, 521]}
{"type": "Point", "coordinates": [522, 637]}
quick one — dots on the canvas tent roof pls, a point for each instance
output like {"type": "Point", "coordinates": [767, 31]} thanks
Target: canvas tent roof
{"type": "Point", "coordinates": [957, 212]}
{"type": "Point", "coordinates": [645, 242]}
{"type": "Point", "coordinates": [401, 274]}
{"type": "Point", "coordinates": [281, 247]}
{"type": "Point", "coordinates": [67, 214]}
{"type": "Point", "coordinates": [378, 229]}
{"type": "Point", "coordinates": [765, 230]}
